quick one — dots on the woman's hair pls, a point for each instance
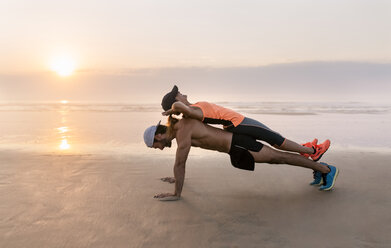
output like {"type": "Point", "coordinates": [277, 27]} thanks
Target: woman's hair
{"type": "Point", "coordinates": [170, 124]}
{"type": "Point", "coordinates": [169, 129]}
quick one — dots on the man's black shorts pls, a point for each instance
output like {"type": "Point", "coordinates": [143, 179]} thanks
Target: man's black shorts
{"type": "Point", "coordinates": [239, 152]}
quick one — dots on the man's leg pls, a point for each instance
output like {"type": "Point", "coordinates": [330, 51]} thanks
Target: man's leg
{"type": "Point", "coordinates": [272, 156]}
{"type": "Point", "coordinates": [327, 172]}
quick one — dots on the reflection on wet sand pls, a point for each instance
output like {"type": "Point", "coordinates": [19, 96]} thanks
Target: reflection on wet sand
{"type": "Point", "coordinates": [63, 130]}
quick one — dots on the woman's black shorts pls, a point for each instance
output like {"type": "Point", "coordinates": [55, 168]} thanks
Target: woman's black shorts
{"type": "Point", "coordinates": [256, 130]}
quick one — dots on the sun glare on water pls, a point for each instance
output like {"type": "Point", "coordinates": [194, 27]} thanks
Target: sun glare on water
{"type": "Point", "coordinates": [63, 66]}
{"type": "Point", "coordinates": [64, 144]}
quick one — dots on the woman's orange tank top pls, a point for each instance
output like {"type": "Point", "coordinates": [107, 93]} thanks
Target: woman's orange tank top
{"type": "Point", "coordinates": [216, 114]}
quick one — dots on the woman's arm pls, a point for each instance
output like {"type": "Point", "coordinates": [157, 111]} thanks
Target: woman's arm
{"type": "Point", "coordinates": [187, 111]}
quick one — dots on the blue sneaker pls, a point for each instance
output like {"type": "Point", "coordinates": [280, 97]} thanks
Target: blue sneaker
{"type": "Point", "coordinates": [318, 180]}
{"type": "Point", "coordinates": [329, 178]}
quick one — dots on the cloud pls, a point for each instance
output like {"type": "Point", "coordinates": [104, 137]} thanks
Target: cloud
{"type": "Point", "coordinates": [324, 80]}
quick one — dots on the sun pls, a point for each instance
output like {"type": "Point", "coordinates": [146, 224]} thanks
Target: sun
{"type": "Point", "coordinates": [63, 66]}
{"type": "Point", "coordinates": [64, 144]}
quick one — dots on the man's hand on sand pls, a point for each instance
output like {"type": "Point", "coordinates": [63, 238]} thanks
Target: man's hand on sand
{"type": "Point", "coordinates": [166, 197]}
{"type": "Point", "coordinates": [168, 179]}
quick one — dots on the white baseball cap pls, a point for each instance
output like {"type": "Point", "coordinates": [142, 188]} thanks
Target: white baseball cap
{"type": "Point", "coordinates": [149, 135]}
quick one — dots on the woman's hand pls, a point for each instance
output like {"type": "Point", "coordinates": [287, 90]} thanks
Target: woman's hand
{"type": "Point", "coordinates": [167, 113]}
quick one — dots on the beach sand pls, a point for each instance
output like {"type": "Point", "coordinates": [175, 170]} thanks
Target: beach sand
{"type": "Point", "coordinates": [90, 200]}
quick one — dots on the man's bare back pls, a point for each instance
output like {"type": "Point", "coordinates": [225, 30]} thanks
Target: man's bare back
{"type": "Point", "coordinates": [202, 135]}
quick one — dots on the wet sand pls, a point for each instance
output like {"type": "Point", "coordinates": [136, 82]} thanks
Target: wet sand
{"type": "Point", "coordinates": [89, 200]}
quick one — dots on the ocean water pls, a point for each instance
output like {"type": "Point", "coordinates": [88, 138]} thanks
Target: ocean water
{"type": "Point", "coordinates": [71, 127]}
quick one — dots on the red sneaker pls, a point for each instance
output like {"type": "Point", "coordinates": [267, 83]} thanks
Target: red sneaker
{"type": "Point", "coordinates": [309, 144]}
{"type": "Point", "coordinates": [320, 150]}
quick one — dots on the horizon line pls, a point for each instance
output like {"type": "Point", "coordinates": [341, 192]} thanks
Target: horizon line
{"type": "Point", "coordinates": [156, 68]}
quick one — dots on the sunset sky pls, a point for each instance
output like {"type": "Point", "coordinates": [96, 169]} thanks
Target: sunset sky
{"type": "Point", "coordinates": [104, 48]}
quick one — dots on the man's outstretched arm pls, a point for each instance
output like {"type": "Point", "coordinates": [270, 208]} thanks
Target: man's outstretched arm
{"type": "Point", "coordinates": [184, 145]}
{"type": "Point", "coordinates": [179, 168]}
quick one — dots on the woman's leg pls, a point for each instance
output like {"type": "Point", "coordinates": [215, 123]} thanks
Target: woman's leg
{"type": "Point", "coordinates": [291, 146]}
{"type": "Point", "coordinates": [260, 131]}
